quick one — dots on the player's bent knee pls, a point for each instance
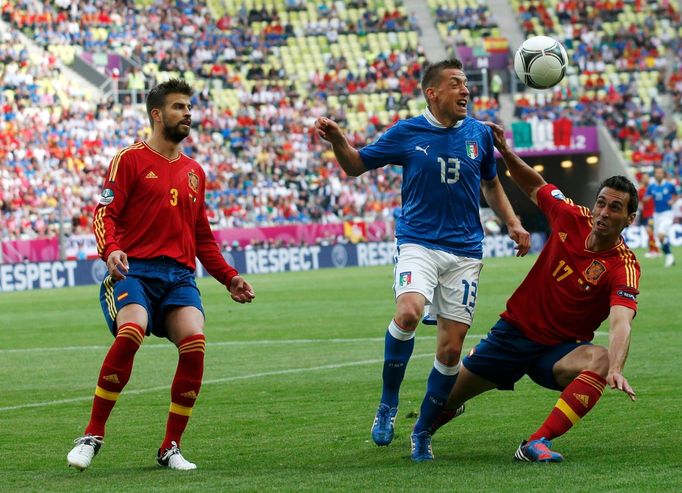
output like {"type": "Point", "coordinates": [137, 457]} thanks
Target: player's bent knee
{"type": "Point", "coordinates": [599, 363]}
{"type": "Point", "coordinates": [134, 313]}
{"type": "Point", "coordinates": [409, 310]}
{"type": "Point", "coordinates": [408, 319]}
{"type": "Point", "coordinates": [449, 352]}
{"type": "Point", "coordinates": [184, 322]}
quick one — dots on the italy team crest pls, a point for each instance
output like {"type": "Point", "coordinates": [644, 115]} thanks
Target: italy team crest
{"type": "Point", "coordinates": [405, 278]}
{"type": "Point", "coordinates": [193, 181]}
{"type": "Point", "coordinates": [594, 271]}
{"type": "Point", "coordinates": [472, 149]}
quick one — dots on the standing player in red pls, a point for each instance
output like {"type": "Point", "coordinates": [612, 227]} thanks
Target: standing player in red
{"type": "Point", "coordinates": [150, 226]}
{"type": "Point", "coordinates": [646, 217]}
{"type": "Point", "coordinates": [584, 275]}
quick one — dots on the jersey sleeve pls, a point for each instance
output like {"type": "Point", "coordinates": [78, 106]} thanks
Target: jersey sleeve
{"type": "Point", "coordinates": [489, 163]}
{"type": "Point", "coordinates": [111, 202]}
{"type": "Point", "coordinates": [625, 286]}
{"type": "Point", "coordinates": [387, 149]}
{"type": "Point", "coordinates": [554, 204]}
{"type": "Point", "coordinates": [207, 248]}
{"type": "Point", "coordinates": [673, 189]}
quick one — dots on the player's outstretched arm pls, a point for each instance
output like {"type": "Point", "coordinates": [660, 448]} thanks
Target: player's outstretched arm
{"type": "Point", "coordinates": [240, 290]}
{"type": "Point", "coordinates": [620, 320]}
{"type": "Point", "coordinates": [499, 203]}
{"type": "Point", "coordinates": [347, 155]}
{"type": "Point", "coordinates": [529, 180]}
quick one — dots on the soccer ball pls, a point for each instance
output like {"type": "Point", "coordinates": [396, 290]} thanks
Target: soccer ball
{"type": "Point", "coordinates": [540, 62]}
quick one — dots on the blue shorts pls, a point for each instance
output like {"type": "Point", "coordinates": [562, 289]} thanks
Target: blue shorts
{"type": "Point", "coordinates": [505, 355]}
{"type": "Point", "coordinates": [157, 284]}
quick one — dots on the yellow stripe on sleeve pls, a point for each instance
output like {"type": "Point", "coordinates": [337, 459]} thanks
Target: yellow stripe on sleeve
{"type": "Point", "coordinates": [117, 159]}
{"type": "Point", "coordinates": [629, 260]}
{"type": "Point", "coordinates": [99, 229]}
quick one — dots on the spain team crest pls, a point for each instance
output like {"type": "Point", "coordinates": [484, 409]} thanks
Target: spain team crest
{"type": "Point", "coordinates": [472, 149]}
{"type": "Point", "coordinates": [594, 271]}
{"type": "Point", "coordinates": [193, 181]}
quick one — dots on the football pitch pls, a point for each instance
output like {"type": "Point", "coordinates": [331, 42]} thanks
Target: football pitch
{"type": "Point", "coordinates": [291, 385]}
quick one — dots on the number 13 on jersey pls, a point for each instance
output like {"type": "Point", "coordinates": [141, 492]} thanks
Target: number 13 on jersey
{"type": "Point", "coordinates": [449, 171]}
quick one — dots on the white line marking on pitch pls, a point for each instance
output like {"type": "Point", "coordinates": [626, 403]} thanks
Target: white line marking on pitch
{"type": "Point", "coordinates": [215, 380]}
{"type": "Point", "coordinates": [226, 379]}
{"type": "Point", "coordinates": [156, 345]}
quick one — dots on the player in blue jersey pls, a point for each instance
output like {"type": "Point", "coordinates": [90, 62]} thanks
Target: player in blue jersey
{"type": "Point", "coordinates": [663, 193]}
{"type": "Point", "coordinates": [447, 158]}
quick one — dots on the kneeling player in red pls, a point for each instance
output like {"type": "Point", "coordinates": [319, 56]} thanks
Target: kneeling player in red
{"type": "Point", "coordinates": [584, 275]}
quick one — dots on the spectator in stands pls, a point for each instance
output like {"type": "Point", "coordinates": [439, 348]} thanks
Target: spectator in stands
{"type": "Point", "coordinates": [496, 86]}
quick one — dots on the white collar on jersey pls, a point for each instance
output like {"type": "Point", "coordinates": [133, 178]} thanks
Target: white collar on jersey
{"type": "Point", "coordinates": [434, 121]}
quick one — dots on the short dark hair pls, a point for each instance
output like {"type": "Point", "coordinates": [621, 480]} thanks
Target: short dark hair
{"type": "Point", "coordinates": [623, 184]}
{"type": "Point", "coordinates": [432, 71]}
{"type": "Point", "coordinates": [156, 98]}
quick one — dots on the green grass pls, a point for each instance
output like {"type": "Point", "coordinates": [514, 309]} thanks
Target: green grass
{"type": "Point", "coordinates": [279, 415]}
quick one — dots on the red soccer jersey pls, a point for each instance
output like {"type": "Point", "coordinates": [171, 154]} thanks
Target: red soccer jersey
{"type": "Point", "coordinates": [152, 206]}
{"type": "Point", "coordinates": [569, 291]}
{"type": "Point", "coordinates": [647, 203]}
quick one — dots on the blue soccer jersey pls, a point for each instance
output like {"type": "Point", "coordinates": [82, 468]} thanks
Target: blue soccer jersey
{"type": "Point", "coordinates": [662, 194]}
{"type": "Point", "coordinates": [442, 172]}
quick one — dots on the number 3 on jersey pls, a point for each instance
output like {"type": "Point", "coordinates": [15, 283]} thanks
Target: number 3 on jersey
{"type": "Point", "coordinates": [174, 196]}
{"type": "Point", "coordinates": [449, 171]}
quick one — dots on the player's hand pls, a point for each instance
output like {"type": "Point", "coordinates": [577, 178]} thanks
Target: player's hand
{"type": "Point", "coordinates": [240, 290]}
{"type": "Point", "coordinates": [619, 382]}
{"type": "Point", "coordinates": [522, 239]}
{"type": "Point", "coordinates": [499, 138]}
{"type": "Point", "coordinates": [328, 129]}
{"type": "Point", "coordinates": [117, 264]}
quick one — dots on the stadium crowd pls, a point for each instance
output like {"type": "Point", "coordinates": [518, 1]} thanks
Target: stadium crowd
{"type": "Point", "coordinates": [253, 116]}
{"type": "Point", "coordinates": [263, 164]}
{"type": "Point", "coordinates": [620, 54]}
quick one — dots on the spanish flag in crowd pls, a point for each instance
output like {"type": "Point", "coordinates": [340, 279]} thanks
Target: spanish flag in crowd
{"type": "Point", "coordinates": [355, 231]}
{"type": "Point", "coordinates": [496, 44]}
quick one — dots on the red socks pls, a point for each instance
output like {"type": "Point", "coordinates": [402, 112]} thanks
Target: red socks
{"type": "Point", "coordinates": [653, 246]}
{"type": "Point", "coordinates": [114, 375]}
{"type": "Point", "coordinates": [116, 370]}
{"type": "Point", "coordinates": [575, 401]}
{"type": "Point", "coordinates": [185, 388]}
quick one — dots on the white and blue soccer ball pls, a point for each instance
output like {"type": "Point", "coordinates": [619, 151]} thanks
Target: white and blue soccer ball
{"type": "Point", "coordinates": [540, 62]}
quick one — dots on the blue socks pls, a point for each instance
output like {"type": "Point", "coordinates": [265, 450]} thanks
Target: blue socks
{"type": "Point", "coordinates": [441, 380]}
{"type": "Point", "coordinates": [665, 246]}
{"type": "Point", "coordinates": [397, 351]}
